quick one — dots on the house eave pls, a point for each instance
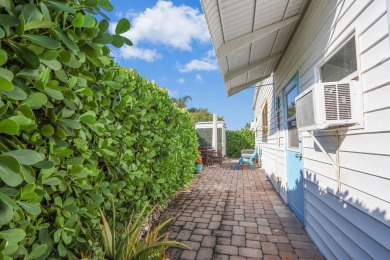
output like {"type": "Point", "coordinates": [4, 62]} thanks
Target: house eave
{"type": "Point", "coordinates": [250, 38]}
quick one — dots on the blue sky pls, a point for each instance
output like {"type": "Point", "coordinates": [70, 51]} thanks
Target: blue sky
{"type": "Point", "coordinates": [172, 46]}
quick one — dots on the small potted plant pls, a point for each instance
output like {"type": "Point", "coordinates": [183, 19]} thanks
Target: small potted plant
{"type": "Point", "coordinates": [199, 165]}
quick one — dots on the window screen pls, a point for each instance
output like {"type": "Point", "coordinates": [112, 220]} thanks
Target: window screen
{"type": "Point", "coordinates": [291, 102]}
{"type": "Point", "coordinates": [293, 135]}
{"type": "Point", "coordinates": [342, 63]}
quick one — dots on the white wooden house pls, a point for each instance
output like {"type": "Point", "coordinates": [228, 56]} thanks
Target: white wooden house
{"type": "Point", "coordinates": [335, 177]}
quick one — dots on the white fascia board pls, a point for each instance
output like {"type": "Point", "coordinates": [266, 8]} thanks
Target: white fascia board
{"type": "Point", "coordinates": [237, 89]}
{"type": "Point", "coordinates": [257, 89]}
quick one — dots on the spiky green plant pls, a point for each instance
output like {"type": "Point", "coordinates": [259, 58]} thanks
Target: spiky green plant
{"type": "Point", "coordinates": [129, 244]}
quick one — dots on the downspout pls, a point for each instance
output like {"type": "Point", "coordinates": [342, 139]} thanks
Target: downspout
{"type": "Point", "coordinates": [338, 161]}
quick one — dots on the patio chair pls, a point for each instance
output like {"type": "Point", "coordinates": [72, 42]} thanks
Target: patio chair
{"type": "Point", "coordinates": [206, 156]}
{"type": "Point", "coordinates": [248, 159]}
{"type": "Point", "coordinates": [217, 156]}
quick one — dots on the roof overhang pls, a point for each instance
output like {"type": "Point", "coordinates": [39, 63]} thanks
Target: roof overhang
{"type": "Point", "coordinates": [250, 36]}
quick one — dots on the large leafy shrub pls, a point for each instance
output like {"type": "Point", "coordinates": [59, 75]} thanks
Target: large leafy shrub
{"type": "Point", "coordinates": [202, 115]}
{"type": "Point", "coordinates": [77, 131]}
{"type": "Point", "coordinates": [236, 140]}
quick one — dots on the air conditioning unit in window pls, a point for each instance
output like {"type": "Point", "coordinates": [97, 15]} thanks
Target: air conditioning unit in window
{"type": "Point", "coordinates": [328, 105]}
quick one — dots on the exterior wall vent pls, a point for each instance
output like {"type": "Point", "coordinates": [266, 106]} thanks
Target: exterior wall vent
{"type": "Point", "coordinates": [328, 105]}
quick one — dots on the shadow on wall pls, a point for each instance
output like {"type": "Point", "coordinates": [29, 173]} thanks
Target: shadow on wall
{"type": "Point", "coordinates": [342, 223]}
{"type": "Point", "coordinates": [329, 143]}
{"type": "Point", "coordinates": [336, 215]}
{"type": "Point", "coordinates": [344, 226]}
{"type": "Point", "coordinates": [277, 184]}
{"type": "Point", "coordinates": [295, 197]}
{"type": "Point", "coordinates": [342, 197]}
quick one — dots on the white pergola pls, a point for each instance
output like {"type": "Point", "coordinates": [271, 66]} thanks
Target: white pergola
{"type": "Point", "coordinates": [249, 37]}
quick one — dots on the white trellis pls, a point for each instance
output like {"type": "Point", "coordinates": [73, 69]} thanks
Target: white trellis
{"type": "Point", "coordinates": [212, 137]}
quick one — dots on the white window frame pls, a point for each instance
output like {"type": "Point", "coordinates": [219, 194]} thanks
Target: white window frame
{"type": "Point", "coordinates": [388, 16]}
{"type": "Point", "coordinates": [288, 119]}
{"type": "Point", "coordinates": [317, 74]}
{"type": "Point", "coordinates": [353, 34]}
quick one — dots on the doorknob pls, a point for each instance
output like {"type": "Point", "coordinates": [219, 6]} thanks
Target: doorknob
{"type": "Point", "coordinates": [298, 155]}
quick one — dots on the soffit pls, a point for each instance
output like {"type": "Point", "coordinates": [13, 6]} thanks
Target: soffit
{"type": "Point", "coordinates": [249, 37]}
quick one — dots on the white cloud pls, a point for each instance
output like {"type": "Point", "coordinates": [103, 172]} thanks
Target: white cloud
{"type": "Point", "coordinates": [128, 14]}
{"type": "Point", "coordinates": [199, 78]}
{"type": "Point", "coordinates": [132, 52]}
{"type": "Point", "coordinates": [170, 25]}
{"type": "Point", "coordinates": [180, 81]}
{"type": "Point", "coordinates": [207, 63]}
{"type": "Point", "coordinates": [172, 93]}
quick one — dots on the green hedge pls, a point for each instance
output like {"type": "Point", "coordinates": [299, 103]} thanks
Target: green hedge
{"type": "Point", "coordinates": [77, 131]}
{"type": "Point", "coordinates": [236, 140]}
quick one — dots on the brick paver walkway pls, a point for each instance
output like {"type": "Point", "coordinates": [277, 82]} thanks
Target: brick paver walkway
{"type": "Point", "coordinates": [235, 214]}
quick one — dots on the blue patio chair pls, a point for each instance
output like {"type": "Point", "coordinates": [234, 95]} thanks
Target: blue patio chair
{"type": "Point", "coordinates": [248, 158]}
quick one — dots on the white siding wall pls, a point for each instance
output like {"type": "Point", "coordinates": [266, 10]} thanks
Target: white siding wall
{"type": "Point", "coordinates": [272, 146]}
{"type": "Point", "coordinates": [355, 222]}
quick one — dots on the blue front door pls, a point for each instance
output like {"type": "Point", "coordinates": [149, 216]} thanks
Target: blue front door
{"type": "Point", "coordinates": [293, 152]}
